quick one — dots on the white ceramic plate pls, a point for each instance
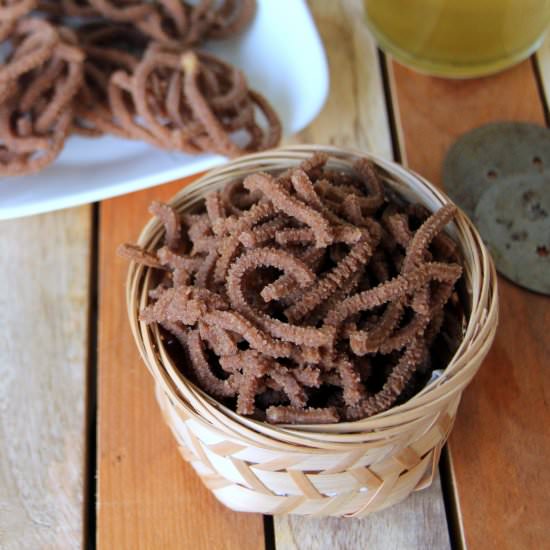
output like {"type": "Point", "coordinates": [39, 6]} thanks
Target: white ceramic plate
{"type": "Point", "coordinates": [283, 58]}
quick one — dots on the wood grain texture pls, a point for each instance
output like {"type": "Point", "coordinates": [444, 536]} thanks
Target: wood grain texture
{"type": "Point", "coordinates": [501, 443]}
{"type": "Point", "coordinates": [432, 112]}
{"type": "Point", "coordinates": [148, 496]}
{"type": "Point", "coordinates": [355, 115]}
{"type": "Point", "coordinates": [44, 277]}
{"type": "Point", "coordinates": [414, 523]}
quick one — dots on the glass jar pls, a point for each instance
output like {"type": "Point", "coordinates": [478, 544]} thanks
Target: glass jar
{"type": "Point", "coordinates": [458, 38]}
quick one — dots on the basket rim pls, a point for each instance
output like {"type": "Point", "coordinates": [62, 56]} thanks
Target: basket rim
{"type": "Point", "coordinates": [478, 333]}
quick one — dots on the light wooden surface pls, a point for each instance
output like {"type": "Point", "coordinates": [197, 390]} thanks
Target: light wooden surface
{"type": "Point", "coordinates": [148, 497]}
{"type": "Point", "coordinates": [415, 523]}
{"type": "Point", "coordinates": [500, 445]}
{"type": "Point", "coordinates": [355, 114]}
{"type": "Point", "coordinates": [44, 282]}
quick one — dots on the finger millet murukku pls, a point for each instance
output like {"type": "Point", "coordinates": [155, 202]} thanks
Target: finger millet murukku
{"type": "Point", "coordinates": [293, 315]}
{"type": "Point", "coordinates": [125, 67]}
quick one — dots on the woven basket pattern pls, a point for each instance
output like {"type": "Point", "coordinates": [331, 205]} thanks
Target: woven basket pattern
{"type": "Point", "coordinates": [347, 469]}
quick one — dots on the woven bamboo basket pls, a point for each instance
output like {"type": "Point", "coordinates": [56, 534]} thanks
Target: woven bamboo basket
{"type": "Point", "coordinates": [345, 469]}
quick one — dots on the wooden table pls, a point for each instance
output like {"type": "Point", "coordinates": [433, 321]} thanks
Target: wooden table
{"type": "Point", "coordinates": [85, 459]}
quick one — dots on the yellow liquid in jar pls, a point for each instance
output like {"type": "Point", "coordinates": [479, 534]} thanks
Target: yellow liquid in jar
{"type": "Point", "coordinates": [458, 38]}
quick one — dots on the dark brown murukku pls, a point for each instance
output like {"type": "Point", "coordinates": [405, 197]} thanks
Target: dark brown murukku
{"type": "Point", "coordinates": [285, 414]}
{"type": "Point", "coordinates": [178, 23]}
{"type": "Point", "coordinates": [125, 68]}
{"type": "Point", "coordinates": [294, 307]}
{"type": "Point", "coordinates": [284, 202]}
{"type": "Point", "coordinates": [12, 10]}
{"type": "Point", "coordinates": [127, 11]}
{"type": "Point", "coordinates": [109, 48]}
{"type": "Point", "coordinates": [68, 8]}
{"type": "Point", "coordinates": [40, 79]}
{"type": "Point", "coordinates": [191, 102]}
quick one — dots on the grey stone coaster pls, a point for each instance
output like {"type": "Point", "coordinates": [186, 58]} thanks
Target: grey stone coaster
{"type": "Point", "coordinates": [499, 174]}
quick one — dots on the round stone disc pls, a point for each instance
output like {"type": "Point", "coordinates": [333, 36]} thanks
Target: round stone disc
{"type": "Point", "coordinates": [491, 153]}
{"type": "Point", "coordinates": [499, 174]}
{"type": "Point", "coordinates": [514, 220]}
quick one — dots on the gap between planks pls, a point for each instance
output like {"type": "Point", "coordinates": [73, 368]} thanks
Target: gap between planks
{"type": "Point", "coordinates": [90, 477]}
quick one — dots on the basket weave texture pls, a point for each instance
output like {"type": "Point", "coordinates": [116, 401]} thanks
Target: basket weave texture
{"type": "Point", "coordinates": [345, 469]}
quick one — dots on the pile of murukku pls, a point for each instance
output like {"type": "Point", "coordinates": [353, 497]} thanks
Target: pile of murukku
{"type": "Point", "coordinates": [306, 296]}
{"type": "Point", "coordinates": [127, 68]}
{"type": "Point", "coordinates": [38, 84]}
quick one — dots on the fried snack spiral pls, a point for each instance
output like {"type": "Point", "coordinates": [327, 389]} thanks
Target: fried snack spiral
{"type": "Point", "coordinates": [39, 81]}
{"type": "Point", "coordinates": [125, 68]}
{"type": "Point", "coordinates": [177, 23]}
{"type": "Point", "coordinates": [191, 102]}
{"type": "Point", "coordinates": [70, 8]}
{"type": "Point", "coordinates": [296, 308]}
{"type": "Point", "coordinates": [12, 10]}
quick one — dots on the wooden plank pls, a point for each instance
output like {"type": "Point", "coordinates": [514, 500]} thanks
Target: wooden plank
{"type": "Point", "coordinates": [44, 277]}
{"type": "Point", "coordinates": [148, 497]}
{"type": "Point", "coordinates": [500, 442]}
{"type": "Point", "coordinates": [432, 112]}
{"type": "Point", "coordinates": [355, 112]}
{"type": "Point", "coordinates": [355, 115]}
{"type": "Point", "coordinates": [414, 523]}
